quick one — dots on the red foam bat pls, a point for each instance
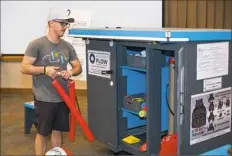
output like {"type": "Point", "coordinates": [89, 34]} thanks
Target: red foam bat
{"type": "Point", "coordinates": [72, 125]}
{"type": "Point", "coordinates": [70, 102]}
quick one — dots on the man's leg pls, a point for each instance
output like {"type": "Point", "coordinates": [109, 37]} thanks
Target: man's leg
{"type": "Point", "coordinates": [56, 138]}
{"type": "Point", "coordinates": [61, 124]}
{"type": "Point", "coordinates": [45, 115]}
{"type": "Point", "coordinates": [40, 144]}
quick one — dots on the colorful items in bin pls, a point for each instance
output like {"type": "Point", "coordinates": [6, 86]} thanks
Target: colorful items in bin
{"type": "Point", "coordinates": [138, 99]}
{"type": "Point", "coordinates": [143, 112]}
{"type": "Point", "coordinates": [135, 102]}
{"type": "Point", "coordinates": [168, 145]}
{"type": "Point", "coordinates": [131, 139]}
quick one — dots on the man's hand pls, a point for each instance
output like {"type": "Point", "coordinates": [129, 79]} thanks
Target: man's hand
{"type": "Point", "coordinates": [66, 74]}
{"type": "Point", "coordinates": [51, 71]}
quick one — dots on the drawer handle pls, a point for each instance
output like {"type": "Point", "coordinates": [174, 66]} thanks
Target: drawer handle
{"type": "Point", "coordinates": [107, 72]}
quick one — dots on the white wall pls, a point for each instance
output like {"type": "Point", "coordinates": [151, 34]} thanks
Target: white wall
{"type": "Point", "coordinates": [22, 21]}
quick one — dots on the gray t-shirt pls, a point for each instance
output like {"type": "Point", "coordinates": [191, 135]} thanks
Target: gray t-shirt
{"type": "Point", "coordinates": [49, 54]}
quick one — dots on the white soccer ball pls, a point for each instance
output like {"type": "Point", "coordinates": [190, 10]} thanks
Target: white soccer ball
{"type": "Point", "coordinates": [56, 151]}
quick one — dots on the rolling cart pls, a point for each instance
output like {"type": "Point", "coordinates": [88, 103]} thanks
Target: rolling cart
{"type": "Point", "coordinates": [144, 85]}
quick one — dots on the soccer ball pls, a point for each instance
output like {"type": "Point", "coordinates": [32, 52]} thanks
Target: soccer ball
{"type": "Point", "coordinates": [59, 151]}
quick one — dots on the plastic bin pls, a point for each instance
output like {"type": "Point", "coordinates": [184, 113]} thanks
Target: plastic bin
{"type": "Point", "coordinates": [136, 61]}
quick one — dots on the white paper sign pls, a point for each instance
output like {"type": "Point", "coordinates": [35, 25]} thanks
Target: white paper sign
{"type": "Point", "coordinates": [212, 60]}
{"type": "Point", "coordinates": [98, 61]}
{"type": "Point", "coordinates": [82, 18]}
{"type": "Point", "coordinates": [80, 47]}
{"type": "Point", "coordinates": [212, 84]}
{"type": "Point", "coordinates": [210, 115]}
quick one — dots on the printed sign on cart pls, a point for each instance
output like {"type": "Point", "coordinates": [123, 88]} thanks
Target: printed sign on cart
{"type": "Point", "coordinates": [212, 84]}
{"type": "Point", "coordinates": [98, 61]}
{"type": "Point", "coordinates": [210, 115]}
{"type": "Point", "coordinates": [212, 60]}
{"type": "Point", "coordinates": [80, 48]}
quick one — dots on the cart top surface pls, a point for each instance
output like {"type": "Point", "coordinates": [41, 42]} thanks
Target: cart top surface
{"type": "Point", "coordinates": [151, 29]}
{"type": "Point", "coordinates": [154, 34]}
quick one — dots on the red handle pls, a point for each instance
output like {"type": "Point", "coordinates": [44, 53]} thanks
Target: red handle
{"type": "Point", "coordinates": [73, 110]}
{"type": "Point", "coordinates": [72, 124]}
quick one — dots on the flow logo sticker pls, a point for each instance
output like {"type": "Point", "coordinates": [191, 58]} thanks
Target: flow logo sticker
{"type": "Point", "coordinates": [98, 61]}
{"type": "Point", "coordinates": [92, 58]}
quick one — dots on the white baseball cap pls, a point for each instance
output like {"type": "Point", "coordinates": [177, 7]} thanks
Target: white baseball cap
{"type": "Point", "coordinates": [60, 15]}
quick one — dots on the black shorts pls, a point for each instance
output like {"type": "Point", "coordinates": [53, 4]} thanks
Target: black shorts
{"type": "Point", "coordinates": [51, 116]}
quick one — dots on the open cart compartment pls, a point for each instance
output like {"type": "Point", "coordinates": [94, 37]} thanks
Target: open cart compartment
{"type": "Point", "coordinates": [128, 81]}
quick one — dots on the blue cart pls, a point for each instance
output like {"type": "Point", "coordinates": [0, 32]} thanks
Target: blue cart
{"type": "Point", "coordinates": [129, 69]}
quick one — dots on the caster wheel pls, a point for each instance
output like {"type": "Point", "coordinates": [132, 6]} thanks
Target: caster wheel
{"type": "Point", "coordinates": [109, 152]}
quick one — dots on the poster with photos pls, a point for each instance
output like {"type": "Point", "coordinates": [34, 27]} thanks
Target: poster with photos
{"type": "Point", "coordinates": [210, 115]}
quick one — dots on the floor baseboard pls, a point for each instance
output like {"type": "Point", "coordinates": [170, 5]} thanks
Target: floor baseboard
{"type": "Point", "coordinates": [79, 92]}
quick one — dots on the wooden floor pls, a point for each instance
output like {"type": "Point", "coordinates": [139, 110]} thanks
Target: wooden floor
{"type": "Point", "coordinates": [15, 142]}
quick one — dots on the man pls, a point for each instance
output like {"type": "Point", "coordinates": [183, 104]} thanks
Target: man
{"type": "Point", "coordinates": [44, 59]}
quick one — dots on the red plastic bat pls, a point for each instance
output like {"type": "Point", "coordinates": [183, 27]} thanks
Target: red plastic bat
{"type": "Point", "coordinates": [74, 112]}
{"type": "Point", "coordinates": [72, 131]}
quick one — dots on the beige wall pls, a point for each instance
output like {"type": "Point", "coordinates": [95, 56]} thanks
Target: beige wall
{"type": "Point", "coordinates": [12, 78]}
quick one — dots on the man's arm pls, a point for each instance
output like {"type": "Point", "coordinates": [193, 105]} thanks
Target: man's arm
{"type": "Point", "coordinates": [28, 68]}
{"type": "Point", "coordinates": [29, 58]}
{"type": "Point", "coordinates": [75, 63]}
{"type": "Point", "coordinates": [76, 67]}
